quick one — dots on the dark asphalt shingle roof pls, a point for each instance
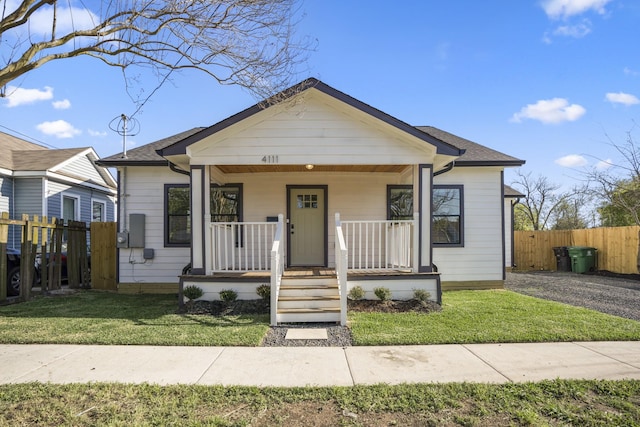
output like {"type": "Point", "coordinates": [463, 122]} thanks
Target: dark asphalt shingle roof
{"type": "Point", "coordinates": [146, 154]}
{"type": "Point", "coordinates": [9, 144]}
{"type": "Point", "coordinates": [475, 154]}
{"type": "Point", "coordinates": [511, 192]}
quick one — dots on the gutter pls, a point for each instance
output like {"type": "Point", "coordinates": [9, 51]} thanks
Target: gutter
{"type": "Point", "coordinates": [446, 169]}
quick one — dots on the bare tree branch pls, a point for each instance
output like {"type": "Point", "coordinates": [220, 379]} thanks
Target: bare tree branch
{"type": "Point", "coordinates": [244, 42]}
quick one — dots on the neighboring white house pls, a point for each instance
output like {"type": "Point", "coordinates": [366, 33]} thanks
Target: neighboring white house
{"type": "Point", "coordinates": [312, 180]}
{"type": "Point", "coordinates": [60, 183]}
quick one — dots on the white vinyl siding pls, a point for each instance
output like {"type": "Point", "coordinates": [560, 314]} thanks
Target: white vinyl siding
{"type": "Point", "coordinates": [482, 257]}
{"type": "Point", "coordinates": [6, 190]}
{"type": "Point", "coordinates": [317, 131]}
{"type": "Point", "coordinates": [508, 232]}
{"type": "Point", "coordinates": [83, 167]}
{"type": "Point", "coordinates": [145, 190]}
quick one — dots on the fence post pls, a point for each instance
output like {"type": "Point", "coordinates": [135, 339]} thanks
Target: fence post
{"type": "Point", "coordinates": [26, 266]}
{"type": "Point", "coordinates": [4, 237]}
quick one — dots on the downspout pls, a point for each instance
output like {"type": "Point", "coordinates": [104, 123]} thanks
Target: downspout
{"type": "Point", "coordinates": [446, 169]}
{"type": "Point", "coordinates": [123, 201]}
{"type": "Point", "coordinates": [174, 168]}
{"type": "Point", "coordinates": [513, 223]}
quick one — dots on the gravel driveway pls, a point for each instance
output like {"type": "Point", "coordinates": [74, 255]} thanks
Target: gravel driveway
{"type": "Point", "coordinates": [619, 297]}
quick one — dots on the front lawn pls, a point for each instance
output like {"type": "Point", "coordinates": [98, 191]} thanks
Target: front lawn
{"type": "Point", "coordinates": [491, 317]}
{"type": "Point", "coordinates": [90, 317]}
{"type": "Point", "coordinates": [559, 402]}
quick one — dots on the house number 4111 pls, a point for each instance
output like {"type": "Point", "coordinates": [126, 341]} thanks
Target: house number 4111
{"type": "Point", "coordinates": [270, 159]}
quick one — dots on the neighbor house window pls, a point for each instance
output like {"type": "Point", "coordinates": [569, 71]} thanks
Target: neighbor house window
{"type": "Point", "coordinates": [177, 215]}
{"type": "Point", "coordinates": [226, 203]}
{"type": "Point", "coordinates": [98, 211]}
{"type": "Point", "coordinates": [399, 202]}
{"type": "Point", "coordinates": [447, 215]}
{"type": "Point", "coordinates": [70, 212]}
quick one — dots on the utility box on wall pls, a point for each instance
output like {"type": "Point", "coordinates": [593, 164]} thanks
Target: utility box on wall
{"type": "Point", "coordinates": [136, 230]}
{"type": "Point", "coordinates": [122, 240]}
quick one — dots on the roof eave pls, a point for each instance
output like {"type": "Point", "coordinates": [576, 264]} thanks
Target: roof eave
{"type": "Point", "coordinates": [125, 162]}
{"type": "Point", "coordinates": [180, 147]}
{"type": "Point", "coordinates": [509, 163]}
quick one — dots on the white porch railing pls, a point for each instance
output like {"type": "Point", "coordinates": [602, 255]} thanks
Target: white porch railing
{"type": "Point", "coordinates": [381, 245]}
{"type": "Point", "coordinates": [242, 246]}
{"type": "Point", "coordinates": [277, 268]}
{"type": "Point", "coordinates": [341, 269]}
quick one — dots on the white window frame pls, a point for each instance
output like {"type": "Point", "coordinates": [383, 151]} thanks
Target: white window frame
{"type": "Point", "coordinates": [76, 215]}
{"type": "Point", "coordinates": [104, 210]}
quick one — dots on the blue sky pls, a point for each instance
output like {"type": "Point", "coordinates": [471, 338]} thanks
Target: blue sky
{"type": "Point", "coordinates": [550, 82]}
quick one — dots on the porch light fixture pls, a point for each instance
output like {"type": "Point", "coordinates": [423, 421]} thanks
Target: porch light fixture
{"type": "Point", "coordinates": [308, 167]}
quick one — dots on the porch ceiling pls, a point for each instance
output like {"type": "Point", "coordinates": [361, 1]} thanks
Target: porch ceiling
{"type": "Point", "coordinates": [316, 168]}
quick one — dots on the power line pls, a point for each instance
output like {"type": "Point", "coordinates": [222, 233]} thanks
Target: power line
{"type": "Point", "coordinates": [29, 137]}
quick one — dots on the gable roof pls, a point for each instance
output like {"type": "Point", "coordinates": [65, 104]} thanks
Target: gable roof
{"type": "Point", "coordinates": [41, 160]}
{"type": "Point", "coordinates": [468, 152]}
{"type": "Point", "coordinates": [442, 147]}
{"type": "Point", "coordinates": [474, 153]}
{"type": "Point", "coordinates": [9, 144]}
{"type": "Point", "coordinates": [18, 155]}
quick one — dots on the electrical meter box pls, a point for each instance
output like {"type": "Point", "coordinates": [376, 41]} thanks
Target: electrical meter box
{"type": "Point", "coordinates": [136, 230]}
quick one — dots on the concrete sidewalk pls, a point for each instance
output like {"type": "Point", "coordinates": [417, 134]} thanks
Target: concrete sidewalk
{"type": "Point", "coordinates": [319, 366]}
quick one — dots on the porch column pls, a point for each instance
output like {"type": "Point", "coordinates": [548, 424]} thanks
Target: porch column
{"type": "Point", "coordinates": [424, 206]}
{"type": "Point", "coordinates": [197, 219]}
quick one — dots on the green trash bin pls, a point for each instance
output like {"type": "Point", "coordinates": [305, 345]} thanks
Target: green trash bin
{"type": "Point", "coordinates": [583, 258]}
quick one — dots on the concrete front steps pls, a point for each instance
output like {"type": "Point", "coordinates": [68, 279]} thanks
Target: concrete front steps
{"type": "Point", "coordinates": [308, 300]}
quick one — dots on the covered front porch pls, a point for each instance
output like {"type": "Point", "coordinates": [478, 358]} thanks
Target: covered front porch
{"type": "Point", "coordinates": [369, 254]}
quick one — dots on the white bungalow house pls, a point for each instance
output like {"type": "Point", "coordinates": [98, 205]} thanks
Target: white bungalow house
{"type": "Point", "coordinates": [312, 192]}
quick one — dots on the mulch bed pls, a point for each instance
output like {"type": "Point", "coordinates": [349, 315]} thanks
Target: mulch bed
{"type": "Point", "coordinates": [246, 307]}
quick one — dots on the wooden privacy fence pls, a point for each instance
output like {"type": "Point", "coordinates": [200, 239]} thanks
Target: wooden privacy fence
{"type": "Point", "coordinates": [103, 253]}
{"type": "Point", "coordinates": [48, 238]}
{"type": "Point", "coordinates": [617, 247]}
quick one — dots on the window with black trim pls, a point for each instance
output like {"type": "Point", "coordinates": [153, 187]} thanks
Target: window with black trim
{"type": "Point", "coordinates": [226, 203]}
{"type": "Point", "coordinates": [177, 230]}
{"type": "Point", "coordinates": [448, 223]}
{"type": "Point", "coordinates": [399, 202]}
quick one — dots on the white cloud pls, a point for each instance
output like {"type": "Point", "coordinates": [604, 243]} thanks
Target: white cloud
{"type": "Point", "coordinates": [622, 98]}
{"type": "Point", "coordinates": [61, 105]}
{"type": "Point", "coordinates": [59, 129]}
{"type": "Point", "coordinates": [556, 9]}
{"type": "Point", "coordinates": [556, 110]}
{"type": "Point", "coordinates": [68, 19]}
{"type": "Point", "coordinates": [20, 96]}
{"type": "Point", "coordinates": [604, 164]}
{"type": "Point", "coordinates": [629, 72]}
{"type": "Point", "coordinates": [571, 161]}
{"type": "Point", "coordinates": [575, 31]}
{"type": "Point", "coordinates": [97, 133]}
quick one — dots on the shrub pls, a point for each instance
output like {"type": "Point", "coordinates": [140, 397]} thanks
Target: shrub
{"type": "Point", "coordinates": [356, 293]}
{"type": "Point", "coordinates": [264, 291]}
{"type": "Point", "coordinates": [421, 295]}
{"type": "Point", "coordinates": [228, 295]}
{"type": "Point", "coordinates": [192, 292]}
{"type": "Point", "coordinates": [383, 294]}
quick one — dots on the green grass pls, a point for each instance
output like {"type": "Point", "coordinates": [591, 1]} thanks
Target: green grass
{"type": "Point", "coordinates": [488, 317]}
{"type": "Point", "coordinates": [90, 317]}
{"type": "Point", "coordinates": [559, 402]}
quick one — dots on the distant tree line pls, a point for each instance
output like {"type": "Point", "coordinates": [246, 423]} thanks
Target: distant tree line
{"type": "Point", "coordinates": [608, 195]}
